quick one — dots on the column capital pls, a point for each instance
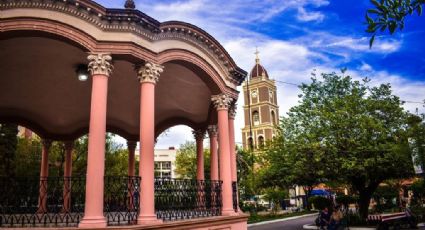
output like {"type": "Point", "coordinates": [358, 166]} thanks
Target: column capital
{"type": "Point", "coordinates": [100, 64]}
{"type": "Point", "coordinates": [69, 145]}
{"type": "Point", "coordinates": [212, 131]}
{"type": "Point", "coordinates": [46, 143]}
{"type": "Point", "coordinates": [221, 101]}
{"type": "Point", "coordinates": [199, 134]}
{"type": "Point", "coordinates": [131, 144]}
{"type": "Point", "coordinates": [149, 72]}
{"type": "Point", "coordinates": [232, 111]}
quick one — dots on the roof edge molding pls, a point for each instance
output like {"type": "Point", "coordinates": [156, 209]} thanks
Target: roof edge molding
{"type": "Point", "coordinates": [132, 22]}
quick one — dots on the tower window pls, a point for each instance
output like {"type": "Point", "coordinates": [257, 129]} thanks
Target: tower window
{"type": "Point", "coordinates": [260, 141]}
{"type": "Point", "coordinates": [256, 117]}
{"type": "Point", "coordinates": [250, 143]}
{"type": "Point", "coordinates": [273, 118]}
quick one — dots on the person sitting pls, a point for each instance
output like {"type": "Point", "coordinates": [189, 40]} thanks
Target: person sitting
{"type": "Point", "coordinates": [336, 219]}
{"type": "Point", "coordinates": [324, 218]}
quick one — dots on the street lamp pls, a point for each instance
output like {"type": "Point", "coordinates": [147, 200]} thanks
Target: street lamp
{"type": "Point", "coordinates": [82, 72]}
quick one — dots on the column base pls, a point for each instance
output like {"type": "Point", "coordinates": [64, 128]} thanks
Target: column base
{"type": "Point", "coordinates": [148, 220]}
{"type": "Point", "coordinates": [229, 212]}
{"type": "Point", "coordinates": [93, 222]}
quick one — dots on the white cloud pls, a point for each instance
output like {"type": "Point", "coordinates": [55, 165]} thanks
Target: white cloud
{"type": "Point", "coordinates": [305, 16]}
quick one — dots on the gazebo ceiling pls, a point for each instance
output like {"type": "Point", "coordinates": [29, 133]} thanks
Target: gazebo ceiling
{"type": "Point", "coordinates": [43, 42]}
{"type": "Point", "coordinates": [39, 88]}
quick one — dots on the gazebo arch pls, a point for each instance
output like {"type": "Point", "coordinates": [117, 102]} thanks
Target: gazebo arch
{"type": "Point", "coordinates": [145, 76]}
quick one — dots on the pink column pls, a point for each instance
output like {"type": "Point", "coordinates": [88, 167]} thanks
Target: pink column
{"type": "Point", "coordinates": [222, 103]}
{"type": "Point", "coordinates": [69, 147]}
{"type": "Point", "coordinates": [44, 173]}
{"type": "Point", "coordinates": [232, 114]}
{"type": "Point", "coordinates": [212, 133]}
{"type": "Point", "coordinates": [148, 76]}
{"type": "Point", "coordinates": [131, 145]}
{"type": "Point", "coordinates": [100, 69]}
{"type": "Point", "coordinates": [199, 137]}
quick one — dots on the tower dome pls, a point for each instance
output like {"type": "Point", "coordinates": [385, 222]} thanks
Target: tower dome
{"type": "Point", "coordinates": [258, 70]}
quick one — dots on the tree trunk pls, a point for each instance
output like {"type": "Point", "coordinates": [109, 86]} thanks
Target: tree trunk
{"type": "Point", "coordinates": [364, 199]}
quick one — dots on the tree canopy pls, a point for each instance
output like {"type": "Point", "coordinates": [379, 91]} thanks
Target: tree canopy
{"type": "Point", "coordinates": [343, 130]}
{"type": "Point", "coordinates": [389, 15]}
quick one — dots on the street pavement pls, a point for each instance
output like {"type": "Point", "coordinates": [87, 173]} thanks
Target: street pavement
{"type": "Point", "coordinates": [295, 224]}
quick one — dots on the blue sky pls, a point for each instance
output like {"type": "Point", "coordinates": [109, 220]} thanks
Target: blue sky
{"type": "Point", "coordinates": [295, 37]}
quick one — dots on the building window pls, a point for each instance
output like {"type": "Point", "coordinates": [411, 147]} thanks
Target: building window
{"type": "Point", "coordinates": [271, 95]}
{"type": "Point", "coordinates": [260, 141]}
{"type": "Point", "coordinates": [166, 165]}
{"type": "Point", "coordinates": [157, 165]}
{"type": "Point", "coordinates": [273, 118]}
{"type": "Point", "coordinates": [256, 118]}
{"type": "Point", "coordinates": [250, 143]}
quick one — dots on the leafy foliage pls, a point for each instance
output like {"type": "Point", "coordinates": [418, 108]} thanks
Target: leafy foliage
{"type": "Point", "coordinates": [8, 145]}
{"type": "Point", "coordinates": [389, 15]}
{"type": "Point", "coordinates": [186, 161]}
{"type": "Point", "coordinates": [342, 130]}
{"type": "Point", "coordinates": [320, 202]}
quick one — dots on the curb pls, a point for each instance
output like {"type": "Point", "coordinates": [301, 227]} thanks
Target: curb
{"type": "Point", "coordinates": [309, 226]}
{"type": "Point", "coordinates": [281, 220]}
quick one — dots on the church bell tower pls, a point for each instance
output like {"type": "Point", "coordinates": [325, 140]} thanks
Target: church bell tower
{"type": "Point", "coordinates": [261, 112]}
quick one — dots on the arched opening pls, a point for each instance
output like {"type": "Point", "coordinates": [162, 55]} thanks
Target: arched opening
{"type": "Point", "coordinates": [260, 142]}
{"type": "Point", "coordinates": [250, 143]}
{"type": "Point", "coordinates": [273, 117]}
{"type": "Point", "coordinates": [255, 118]}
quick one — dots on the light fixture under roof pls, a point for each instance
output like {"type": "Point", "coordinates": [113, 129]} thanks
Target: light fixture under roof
{"type": "Point", "coordinates": [82, 72]}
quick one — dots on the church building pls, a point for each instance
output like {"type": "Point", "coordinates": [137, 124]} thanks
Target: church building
{"type": "Point", "coordinates": [261, 112]}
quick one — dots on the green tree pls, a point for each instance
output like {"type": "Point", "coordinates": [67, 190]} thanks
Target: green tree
{"type": "Point", "coordinates": [357, 130]}
{"type": "Point", "coordinates": [186, 161]}
{"type": "Point", "coordinates": [8, 145]}
{"type": "Point", "coordinates": [389, 15]}
{"type": "Point", "coordinates": [417, 139]}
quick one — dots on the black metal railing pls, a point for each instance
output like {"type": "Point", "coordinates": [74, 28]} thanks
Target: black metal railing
{"type": "Point", "coordinates": [177, 199]}
{"type": "Point", "coordinates": [235, 195]}
{"type": "Point", "coordinates": [121, 200]}
{"type": "Point", "coordinates": [48, 201]}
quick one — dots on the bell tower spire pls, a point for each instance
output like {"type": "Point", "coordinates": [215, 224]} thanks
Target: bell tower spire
{"type": "Point", "coordinates": [257, 58]}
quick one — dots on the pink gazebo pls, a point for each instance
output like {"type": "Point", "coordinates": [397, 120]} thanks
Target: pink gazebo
{"type": "Point", "coordinates": [143, 78]}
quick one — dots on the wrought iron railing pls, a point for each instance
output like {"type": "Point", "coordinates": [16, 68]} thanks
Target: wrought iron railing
{"type": "Point", "coordinates": [59, 201]}
{"type": "Point", "coordinates": [177, 199]}
{"type": "Point", "coordinates": [121, 200]}
{"type": "Point", "coordinates": [48, 201]}
{"type": "Point", "coordinates": [235, 195]}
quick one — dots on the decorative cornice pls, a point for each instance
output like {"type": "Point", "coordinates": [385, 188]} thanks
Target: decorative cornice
{"type": "Point", "coordinates": [199, 134]}
{"type": "Point", "coordinates": [221, 101]}
{"type": "Point", "coordinates": [134, 21]}
{"type": "Point", "coordinates": [232, 111]}
{"type": "Point", "coordinates": [212, 131]}
{"type": "Point", "coordinates": [149, 72]}
{"type": "Point", "coordinates": [47, 143]}
{"type": "Point", "coordinates": [69, 145]}
{"type": "Point", "coordinates": [100, 64]}
{"type": "Point", "coordinates": [131, 144]}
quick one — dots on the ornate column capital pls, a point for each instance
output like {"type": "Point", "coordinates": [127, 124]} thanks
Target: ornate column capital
{"type": "Point", "coordinates": [199, 134]}
{"type": "Point", "coordinates": [100, 64]}
{"type": "Point", "coordinates": [212, 131]}
{"type": "Point", "coordinates": [149, 72]}
{"type": "Point", "coordinates": [47, 143]}
{"type": "Point", "coordinates": [221, 101]}
{"type": "Point", "coordinates": [69, 145]}
{"type": "Point", "coordinates": [232, 111]}
{"type": "Point", "coordinates": [131, 144]}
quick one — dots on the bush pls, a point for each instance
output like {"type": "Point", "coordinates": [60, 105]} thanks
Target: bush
{"type": "Point", "coordinates": [320, 202]}
{"type": "Point", "coordinates": [418, 189]}
{"type": "Point", "coordinates": [346, 200]}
